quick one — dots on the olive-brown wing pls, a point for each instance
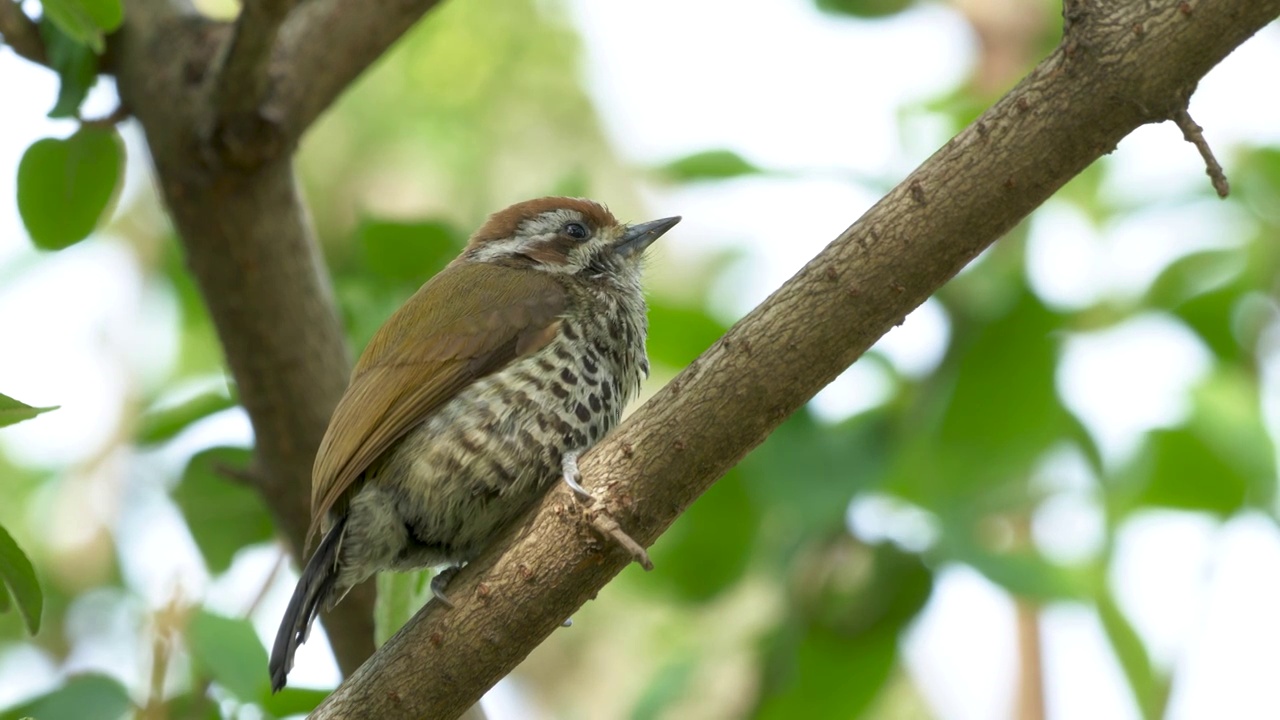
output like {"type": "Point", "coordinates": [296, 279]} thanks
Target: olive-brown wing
{"type": "Point", "coordinates": [468, 321]}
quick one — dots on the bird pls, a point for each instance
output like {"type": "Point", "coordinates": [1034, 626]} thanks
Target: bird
{"type": "Point", "coordinates": [473, 398]}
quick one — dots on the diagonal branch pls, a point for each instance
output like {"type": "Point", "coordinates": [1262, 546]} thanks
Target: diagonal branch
{"type": "Point", "coordinates": [21, 33]}
{"type": "Point", "coordinates": [1104, 82]}
{"type": "Point", "coordinates": [325, 45]}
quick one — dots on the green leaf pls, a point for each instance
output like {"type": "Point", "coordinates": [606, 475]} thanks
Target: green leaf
{"type": "Point", "coordinates": [668, 685]}
{"type": "Point", "coordinates": [227, 651]}
{"type": "Point", "coordinates": [224, 515]}
{"type": "Point", "coordinates": [408, 251]}
{"type": "Point", "coordinates": [76, 65]}
{"type": "Point", "coordinates": [823, 674]}
{"type": "Point", "coordinates": [1149, 689]}
{"type": "Point", "coordinates": [709, 546]}
{"type": "Point", "coordinates": [852, 588]}
{"type": "Point", "coordinates": [85, 21]}
{"type": "Point", "coordinates": [708, 165]}
{"type": "Point", "coordinates": [19, 578]}
{"type": "Point", "coordinates": [864, 8]}
{"type": "Point", "coordinates": [1029, 574]}
{"type": "Point", "coordinates": [293, 701]}
{"type": "Point", "coordinates": [164, 423]}
{"type": "Point", "coordinates": [83, 697]}
{"type": "Point", "coordinates": [12, 411]}
{"type": "Point", "coordinates": [681, 333]}
{"type": "Point", "coordinates": [66, 186]}
{"type": "Point", "coordinates": [806, 474]}
{"type": "Point", "coordinates": [1004, 411]}
{"type": "Point", "coordinates": [1178, 469]}
{"type": "Point", "coordinates": [400, 595]}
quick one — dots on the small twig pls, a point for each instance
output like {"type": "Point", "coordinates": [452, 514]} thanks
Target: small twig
{"type": "Point", "coordinates": [21, 32]}
{"type": "Point", "coordinates": [281, 557]}
{"type": "Point", "coordinates": [112, 119]}
{"type": "Point", "coordinates": [246, 476]}
{"type": "Point", "coordinates": [604, 524]}
{"type": "Point", "coordinates": [1194, 134]}
{"type": "Point", "coordinates": [598, 516]}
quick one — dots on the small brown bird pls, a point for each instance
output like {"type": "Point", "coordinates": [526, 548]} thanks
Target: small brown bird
{"type": "Point", "coordinates": [473, 398]}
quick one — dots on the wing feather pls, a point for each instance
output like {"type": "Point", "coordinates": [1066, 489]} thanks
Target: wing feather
{"type": "Point", "coordinates": [445, 337]}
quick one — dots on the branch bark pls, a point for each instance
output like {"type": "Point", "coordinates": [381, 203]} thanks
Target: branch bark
{"type": "Point", "coordinates": [1122, 64]}
{"type": "Point", "coordinates": [21, 33]}
{"type": "Point", "coordinates": [246, 233]}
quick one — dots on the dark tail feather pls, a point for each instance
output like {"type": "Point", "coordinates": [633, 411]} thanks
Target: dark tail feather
{"type": "Point", "coordinates": [314, 588]}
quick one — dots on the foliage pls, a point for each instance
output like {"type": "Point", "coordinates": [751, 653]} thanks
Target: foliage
{"type": "Point", "coordinates": [422, 149]}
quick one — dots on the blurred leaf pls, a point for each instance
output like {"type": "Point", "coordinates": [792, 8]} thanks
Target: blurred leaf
{"type": "Point", "coordinates": [164, 423]}
{"type": "Point", "coordinates": [12, 411]}
{"type": "Point", "coordinates": [864, 8]}
{"type": "Point", "coordinates": [19, 579]}
{"type": "Point", "coordinates": [708, 165]}
{"type": "Point", "coordinates": [1259, 182]}
{"type": "Point", "coordinates": [680, 334]}
{"type": "Point", "coordinates": [1193, 275]}
{"type": "Point", "coordinates": [1004, 410]}
{"type": "Point", "coordinates": [83, 697]}
{"type": "Point", "coordinates": [223, 514]}
{"type": "Point", "coordinates": [1179, 470]}
{"type": "Point", "coordinates": [708, 547]}
{"type": "Point", "coordinates": [194, 705]}
{"type": "Point", "coordinates": [65, 186]}
{"type": "Point", "coordinates": [76, 65]}
{"type": "Point", "coordinates": [1031, 575]}
{"type": "Point", "coordinates": [806, 473]}
{"type": "Point", "coordinates": [85, 21]}
{"type": "Point", "coordinates": [1149, 690]}
{"type": "Point", "coordinates": [400, 595]}
{"type": "Point", "coordinates": [822, 674]}
{"type": "Point", "coordinates": [294, 701]}
{"type": "Point", "coordinates": [227, 651]}
{"type": "Point", "coordinates": [408, 251]}
{"type": "Point", "coordinates": [668, 685]}
{"type": "Point", "coordinates": [852, 588]}
{"type": "Point", "coordinates": [1221, 461]}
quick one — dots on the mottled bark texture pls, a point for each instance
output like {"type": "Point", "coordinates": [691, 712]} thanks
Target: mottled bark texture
{"type": "Point", "coordinates": [1123, 63]}
{"type": "Point", "coordinates": [222, 106]}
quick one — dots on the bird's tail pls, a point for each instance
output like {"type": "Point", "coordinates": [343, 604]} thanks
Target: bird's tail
{"type": "Point", "coordinates": [314, 588]}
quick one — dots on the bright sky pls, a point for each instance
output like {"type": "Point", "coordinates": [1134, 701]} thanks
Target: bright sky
{"type": "Point", "coordinates": [797, 91]}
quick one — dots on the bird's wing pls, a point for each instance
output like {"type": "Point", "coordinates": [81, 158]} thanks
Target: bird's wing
{"type": "Point", "coordinates": [420, 359]}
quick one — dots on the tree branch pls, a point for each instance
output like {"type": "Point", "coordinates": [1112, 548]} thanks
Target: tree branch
{"type": "Point", "coordinates": [326, 44]}
{"type": "Point", "coordinates": [250, 245]}
{"type": "Point", "coordinates": [1124, 63]}
{"type": "Point", "coordinates": [242, 79]}
{"type": "Point", "coordinates": [21, 33]}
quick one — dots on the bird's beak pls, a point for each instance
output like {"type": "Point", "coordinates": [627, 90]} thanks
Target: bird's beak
{"type": "Point", "coordinates": [640, 236]}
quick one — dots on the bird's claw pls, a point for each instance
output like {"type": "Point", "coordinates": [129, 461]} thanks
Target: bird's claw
{"type": "Point", "coordinates": [599, 517]}
{"type": "Point", "coordinates": [441, 581]}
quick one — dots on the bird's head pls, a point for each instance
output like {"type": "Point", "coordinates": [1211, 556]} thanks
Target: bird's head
{"type": "Point", "coordinates": [571, 236]}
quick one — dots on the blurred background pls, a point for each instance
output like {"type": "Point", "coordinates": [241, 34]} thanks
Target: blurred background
{"type": "Point", "coordinates": [1051, 493]}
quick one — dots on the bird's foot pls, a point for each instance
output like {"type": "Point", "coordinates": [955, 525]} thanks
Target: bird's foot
{"type": "Point", "coordinates": [599, 516]}
{"type": "Point", "coordinates": [441, 581]}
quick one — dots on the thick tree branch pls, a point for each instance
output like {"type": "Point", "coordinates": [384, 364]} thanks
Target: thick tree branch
{"type": "Point", "coordinates": [21, 33]}
{"type": "Point", "coordinates": [1124, 63]}
{"type": "Point", "coordinates": [246, 233]}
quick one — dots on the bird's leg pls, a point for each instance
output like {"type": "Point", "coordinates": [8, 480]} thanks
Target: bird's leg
{"type": "Point", "coordinates": [441, 581]}
{"type": "Point", "coordinates": [599, 516]}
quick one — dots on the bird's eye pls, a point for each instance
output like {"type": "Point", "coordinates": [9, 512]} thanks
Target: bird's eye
{"type": "Point", "coordinates": [576, 231]}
